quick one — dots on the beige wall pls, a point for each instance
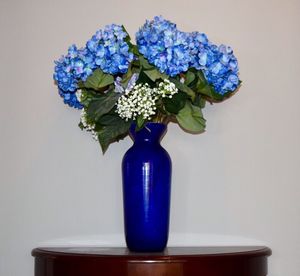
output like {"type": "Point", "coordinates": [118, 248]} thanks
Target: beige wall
{"type": "Point", "coordinates": [240, 179]}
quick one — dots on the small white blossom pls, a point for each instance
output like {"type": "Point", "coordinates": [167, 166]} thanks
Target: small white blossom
{"type": "Point", "coordinates": [138, 101]}
{"type": "Point", "coordinates": [141, 100]}
{"type": "Point", "coordinates": [88, 126]}
{"type": "Point", "coordinates": [167, 89]}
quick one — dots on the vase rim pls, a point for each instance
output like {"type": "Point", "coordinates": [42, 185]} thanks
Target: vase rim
{"type": "Point", "coordinates": [157, 129]}
{"type": "Point", "coordinates": [151, 123]}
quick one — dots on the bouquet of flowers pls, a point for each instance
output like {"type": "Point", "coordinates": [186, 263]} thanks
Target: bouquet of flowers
{"type": "Point", "coordinates": [168, 75]}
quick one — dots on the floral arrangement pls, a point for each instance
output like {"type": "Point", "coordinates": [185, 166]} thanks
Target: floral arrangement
{"type": "Point", "coordinates": [169, 75]}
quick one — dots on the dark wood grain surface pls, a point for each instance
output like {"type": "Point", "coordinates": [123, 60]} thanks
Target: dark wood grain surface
{"type": "Point", "coordinates": [174, 261]}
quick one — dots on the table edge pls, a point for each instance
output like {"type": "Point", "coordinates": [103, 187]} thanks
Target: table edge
{"type": "Point", "coordinates": [49, 252]}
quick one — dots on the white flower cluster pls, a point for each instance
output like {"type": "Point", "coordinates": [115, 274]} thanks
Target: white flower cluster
{"type": "Point", "coordinates": [141, 100]}
{"type": "Point", "coordinates": [87, 126]}
{"type": "Point", "coordinates": [167, 89]}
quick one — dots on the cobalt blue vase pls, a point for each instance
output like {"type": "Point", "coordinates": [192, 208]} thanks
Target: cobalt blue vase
{"type": "Point", "coordinates": [146, 169]}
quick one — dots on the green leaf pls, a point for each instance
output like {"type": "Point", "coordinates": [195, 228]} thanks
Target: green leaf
{"type": "Point", "coordinates": [176, 103]}
{"type": "Point", "coordinates": [98, 80]}
{"type": "Point", "coordinates": [81, 126]}
{"type": "Point", "coordinates": [126, 78]}
{"type": "Point", "coordinates": [201, 79]}
{"type": "Point", "coordinates": [102, 105]}
{"type": "Point", "coordinates": [113, 132]}
{"type": "Point", "coordinates": [144, 63]}
{"type": "Point", "coordinates": [108, 119]}
{"type": "Point", "coordinates": [154, 74]}
{"type": "Point", "coordinates": [202, 103]}
{"type": "Point", "coordinates": [127, 39]}
{"type": "Point", "coordinates": [189, 78]}
{"type": "Point", "coordinates": [199, 101]}
{"type": "Point", "coordinates": [190, 118]}
{"type": "Point", "coordinates": [184, 88]}
{"type": "Point", "coordinates": [210, 93]}
{"type": "Point", "coordinates": [204, 88]}
{"type": "Point", "coordinates": [128, 36]}
{"type": "Point", "coordinates": [139, 123]}
{"type": "Point", "coordinates": [134, 49]}
{"type": "Point", "coordinates": [143, 78]}
{"type": "Point", "coordinates": [88, 95]}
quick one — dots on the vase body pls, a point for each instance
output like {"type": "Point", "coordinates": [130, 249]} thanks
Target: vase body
{"type": "Point", "coordinates": [146, 170]}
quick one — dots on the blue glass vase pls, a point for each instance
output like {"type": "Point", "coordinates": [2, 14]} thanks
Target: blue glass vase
{"type": "Point", "coordinates": [146, 170]}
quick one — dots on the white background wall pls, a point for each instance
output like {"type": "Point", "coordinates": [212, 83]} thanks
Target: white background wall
{"type": "Point", "coordinates": [240, 178]}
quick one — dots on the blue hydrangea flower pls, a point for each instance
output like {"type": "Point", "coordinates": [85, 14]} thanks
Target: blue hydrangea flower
{"type": "Point", "coordinates": [70, 98]}
{"type": "Point", "coordinates": [198, 43]}
{"type": "Point", "coordinates": [222, 73]}
{"type": "Point", "coordinates": [174, 52]}
{"type": "Point", "coordinates": [109, 50]}
{"type": "Point", "coordinates": [163, 45]}
{"type": "Point", "coordinates": [69, 69]}
{"type": "Point", "coordinates": [106, 50]}
{"type": "Point", "coordinates": [218, 63]}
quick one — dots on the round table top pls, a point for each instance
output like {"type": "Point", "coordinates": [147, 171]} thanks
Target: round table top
{"type": "Point", "coordinates": [168, 252]}
{"type": "Point", "coordinates": [175, 261]}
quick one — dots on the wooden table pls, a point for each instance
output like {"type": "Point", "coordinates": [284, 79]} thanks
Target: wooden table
{"type": "Point", "coordinates": [174, 261]}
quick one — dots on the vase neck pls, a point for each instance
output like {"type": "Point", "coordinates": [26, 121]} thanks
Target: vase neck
{"type": "Point", "coordinates": [150, 133]}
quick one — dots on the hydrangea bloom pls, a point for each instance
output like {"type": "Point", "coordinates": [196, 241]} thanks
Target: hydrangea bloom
{"type": "Point", "coordinates": [222, 73]}
{"type": "Point", "coordinates": [106, 50]}
{"type": "Point", "coordinates": [164, 46]}
{"type": "Point", "coordinates": [219, 65]}
{"type": "Point", "coordinates": [198, 43]}
{"type": "Point", "coordinates": [70, 98]}
{"type": "Point", "coordinates": [69, 69]}
{"type": "Point", "coordinates": [110, 51]}
{"type": "Point", "coordinates": [174, 52]}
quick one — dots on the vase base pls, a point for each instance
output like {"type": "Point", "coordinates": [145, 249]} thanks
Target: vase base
{"type": "Point", "coordinates": [144, 250]}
